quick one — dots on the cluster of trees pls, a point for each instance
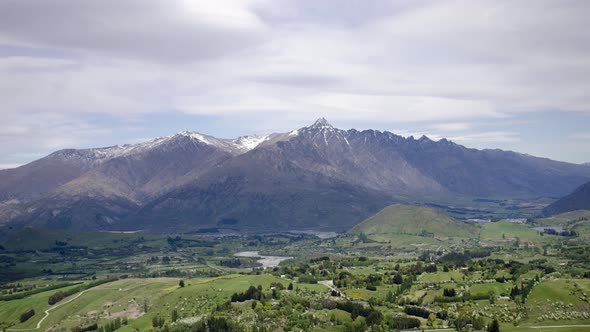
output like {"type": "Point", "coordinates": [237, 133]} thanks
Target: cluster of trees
{"type": "Point", "coordinates": [112, 325]}
{"type": "Point", "coordinates": [307, 279]}
{"type": "Point", "coordinates": [26, 315]}
{"type": "Point", "coordinates": [233, 262]}
{"type": "Point", "coordinates": [372, 316]}
{"type": "Point", "coordinates": [465, 297]}
{"type": "Point", "coordinates": [406, 284]}
{"type": "Point", "coordinates": [449, 292]}
{"type": "Point", "coordinates": [523, 291]}
{"type": "Point", "coordinates": [405, 323]}
{"type": "Point", "coordinates": [253, 293]}
{"type": "Point", "coordinates": [355, 309]}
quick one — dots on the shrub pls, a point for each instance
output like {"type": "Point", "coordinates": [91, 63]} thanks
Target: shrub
{"type": "Point", "coordinates": [404, 323]}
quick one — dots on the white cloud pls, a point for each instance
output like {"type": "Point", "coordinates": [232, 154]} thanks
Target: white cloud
{"type": "Point", "coordinates": [488, 137]}
{"type": "Point", "coordinates": [448, 65]}
{"type": "Point", "coordinates": [581, 136]}
{"type": "Point", "coordinates": [452, 126]}
{"type": "Point", "coordinates": [179, 30]}
{"type": "Point", "coordinates": [6, 166]}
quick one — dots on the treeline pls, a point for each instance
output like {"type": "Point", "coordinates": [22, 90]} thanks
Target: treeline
{"type": "Point", "coordinates": [53, 299]}
{"type": "Point", "coordinates": [26, 315]}
{"type": "Point", "coordinates": [417, 311]}
{"type": "Point", "coordinates": [22, 295]}
{"type": "Point", "coordinates": [552, 231]}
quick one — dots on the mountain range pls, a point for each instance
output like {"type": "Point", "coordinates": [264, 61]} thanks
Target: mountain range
{"type": "Point", "coordinates": [317, 177]}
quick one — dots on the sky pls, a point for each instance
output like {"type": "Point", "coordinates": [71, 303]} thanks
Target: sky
{"type": "Point", "coordinates": [513, 75]}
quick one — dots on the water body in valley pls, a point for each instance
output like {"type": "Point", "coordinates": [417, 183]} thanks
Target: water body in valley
{"type": "Point", "coordinates": [266, 261]}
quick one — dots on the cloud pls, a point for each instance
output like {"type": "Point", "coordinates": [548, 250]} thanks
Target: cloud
{"type": "Point", "coordinates": [444, 68]}
{"type": "Point", "coordinates": [180, 30]}
{"type": "Point", "coordinates": [488, 137]}
{"type": "Point", "coordinates": [6, 166]}
{"type": "Point", "coordinates": [581, 136]}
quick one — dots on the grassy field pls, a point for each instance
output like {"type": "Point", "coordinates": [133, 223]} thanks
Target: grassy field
{"type": "Point", "coordinates": [10, 311]}
{"type": "Point", "coordinates": [508, 232]}
{"type": "Point", "coordinates": [128, 298]}
{"type": "Point", "coordinates": [560, 301]}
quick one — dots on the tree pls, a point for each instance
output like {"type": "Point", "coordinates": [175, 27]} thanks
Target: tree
{"type": "Point", "coordinates": [174, 315]}
{"type": "Point", "coordinates": [431, 320]}
{"type": "Point", "coordinates": [374, 318]}
{"type": "Point", "coordinates": [479, 323]}
{"type": "Point", "coordinates": [290, 287]}
{"type": "Point", "coordinates": [494, 327]}
{"type": "Point", "coordinates": [398, 279]}
{"type": "Point", "coordinates": [355, 313]}
{"type": "Point", "coordinates": [181, 283]}
{"type": "Point", "coordinates": [158, 321]}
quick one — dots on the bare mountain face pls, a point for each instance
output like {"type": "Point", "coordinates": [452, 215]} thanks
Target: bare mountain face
{"type": "Point", "coordinates": [579, 199]}
{"type": "Point", "coordinates": [317, 177]}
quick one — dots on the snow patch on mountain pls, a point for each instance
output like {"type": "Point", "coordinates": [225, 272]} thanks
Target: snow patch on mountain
{"type": "Point", "coordinates": [247, 143]}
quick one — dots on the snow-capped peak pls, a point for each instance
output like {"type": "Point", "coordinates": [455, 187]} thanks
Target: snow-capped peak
{"type": "Point", "coordinates": [247, 143]}
{"type": "Point", "coordinates": [199, 137]}
{"type": "Point", "coordinates": [321, 123]}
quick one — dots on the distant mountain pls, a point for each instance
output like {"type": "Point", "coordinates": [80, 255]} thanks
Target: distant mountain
{"type": "Point", "coordinates": [316, 177]}
{"type": "Point", "coordinates": [35, 179]}
{"type": "Point", "coordinates": [579, 199]}
{"type": "Point", "coordinates": [399, 219]}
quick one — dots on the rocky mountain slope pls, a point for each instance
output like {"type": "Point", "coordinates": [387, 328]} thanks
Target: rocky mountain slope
{"type": "Point", "coordinates": [579, 199]}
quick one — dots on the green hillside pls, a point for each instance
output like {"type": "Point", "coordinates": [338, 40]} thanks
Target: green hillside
{"type": "Point", "coordinates": [399, 219]}
{"type": "Point", "coordinates": [564, 219]}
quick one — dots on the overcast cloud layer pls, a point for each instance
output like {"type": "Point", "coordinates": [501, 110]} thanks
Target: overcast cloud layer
{"type": "Point", "coordinates": [508, 74]}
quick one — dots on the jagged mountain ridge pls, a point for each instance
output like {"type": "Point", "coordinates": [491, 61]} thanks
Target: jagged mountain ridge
{"type": "Point", "coordinates": [314, 177]}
